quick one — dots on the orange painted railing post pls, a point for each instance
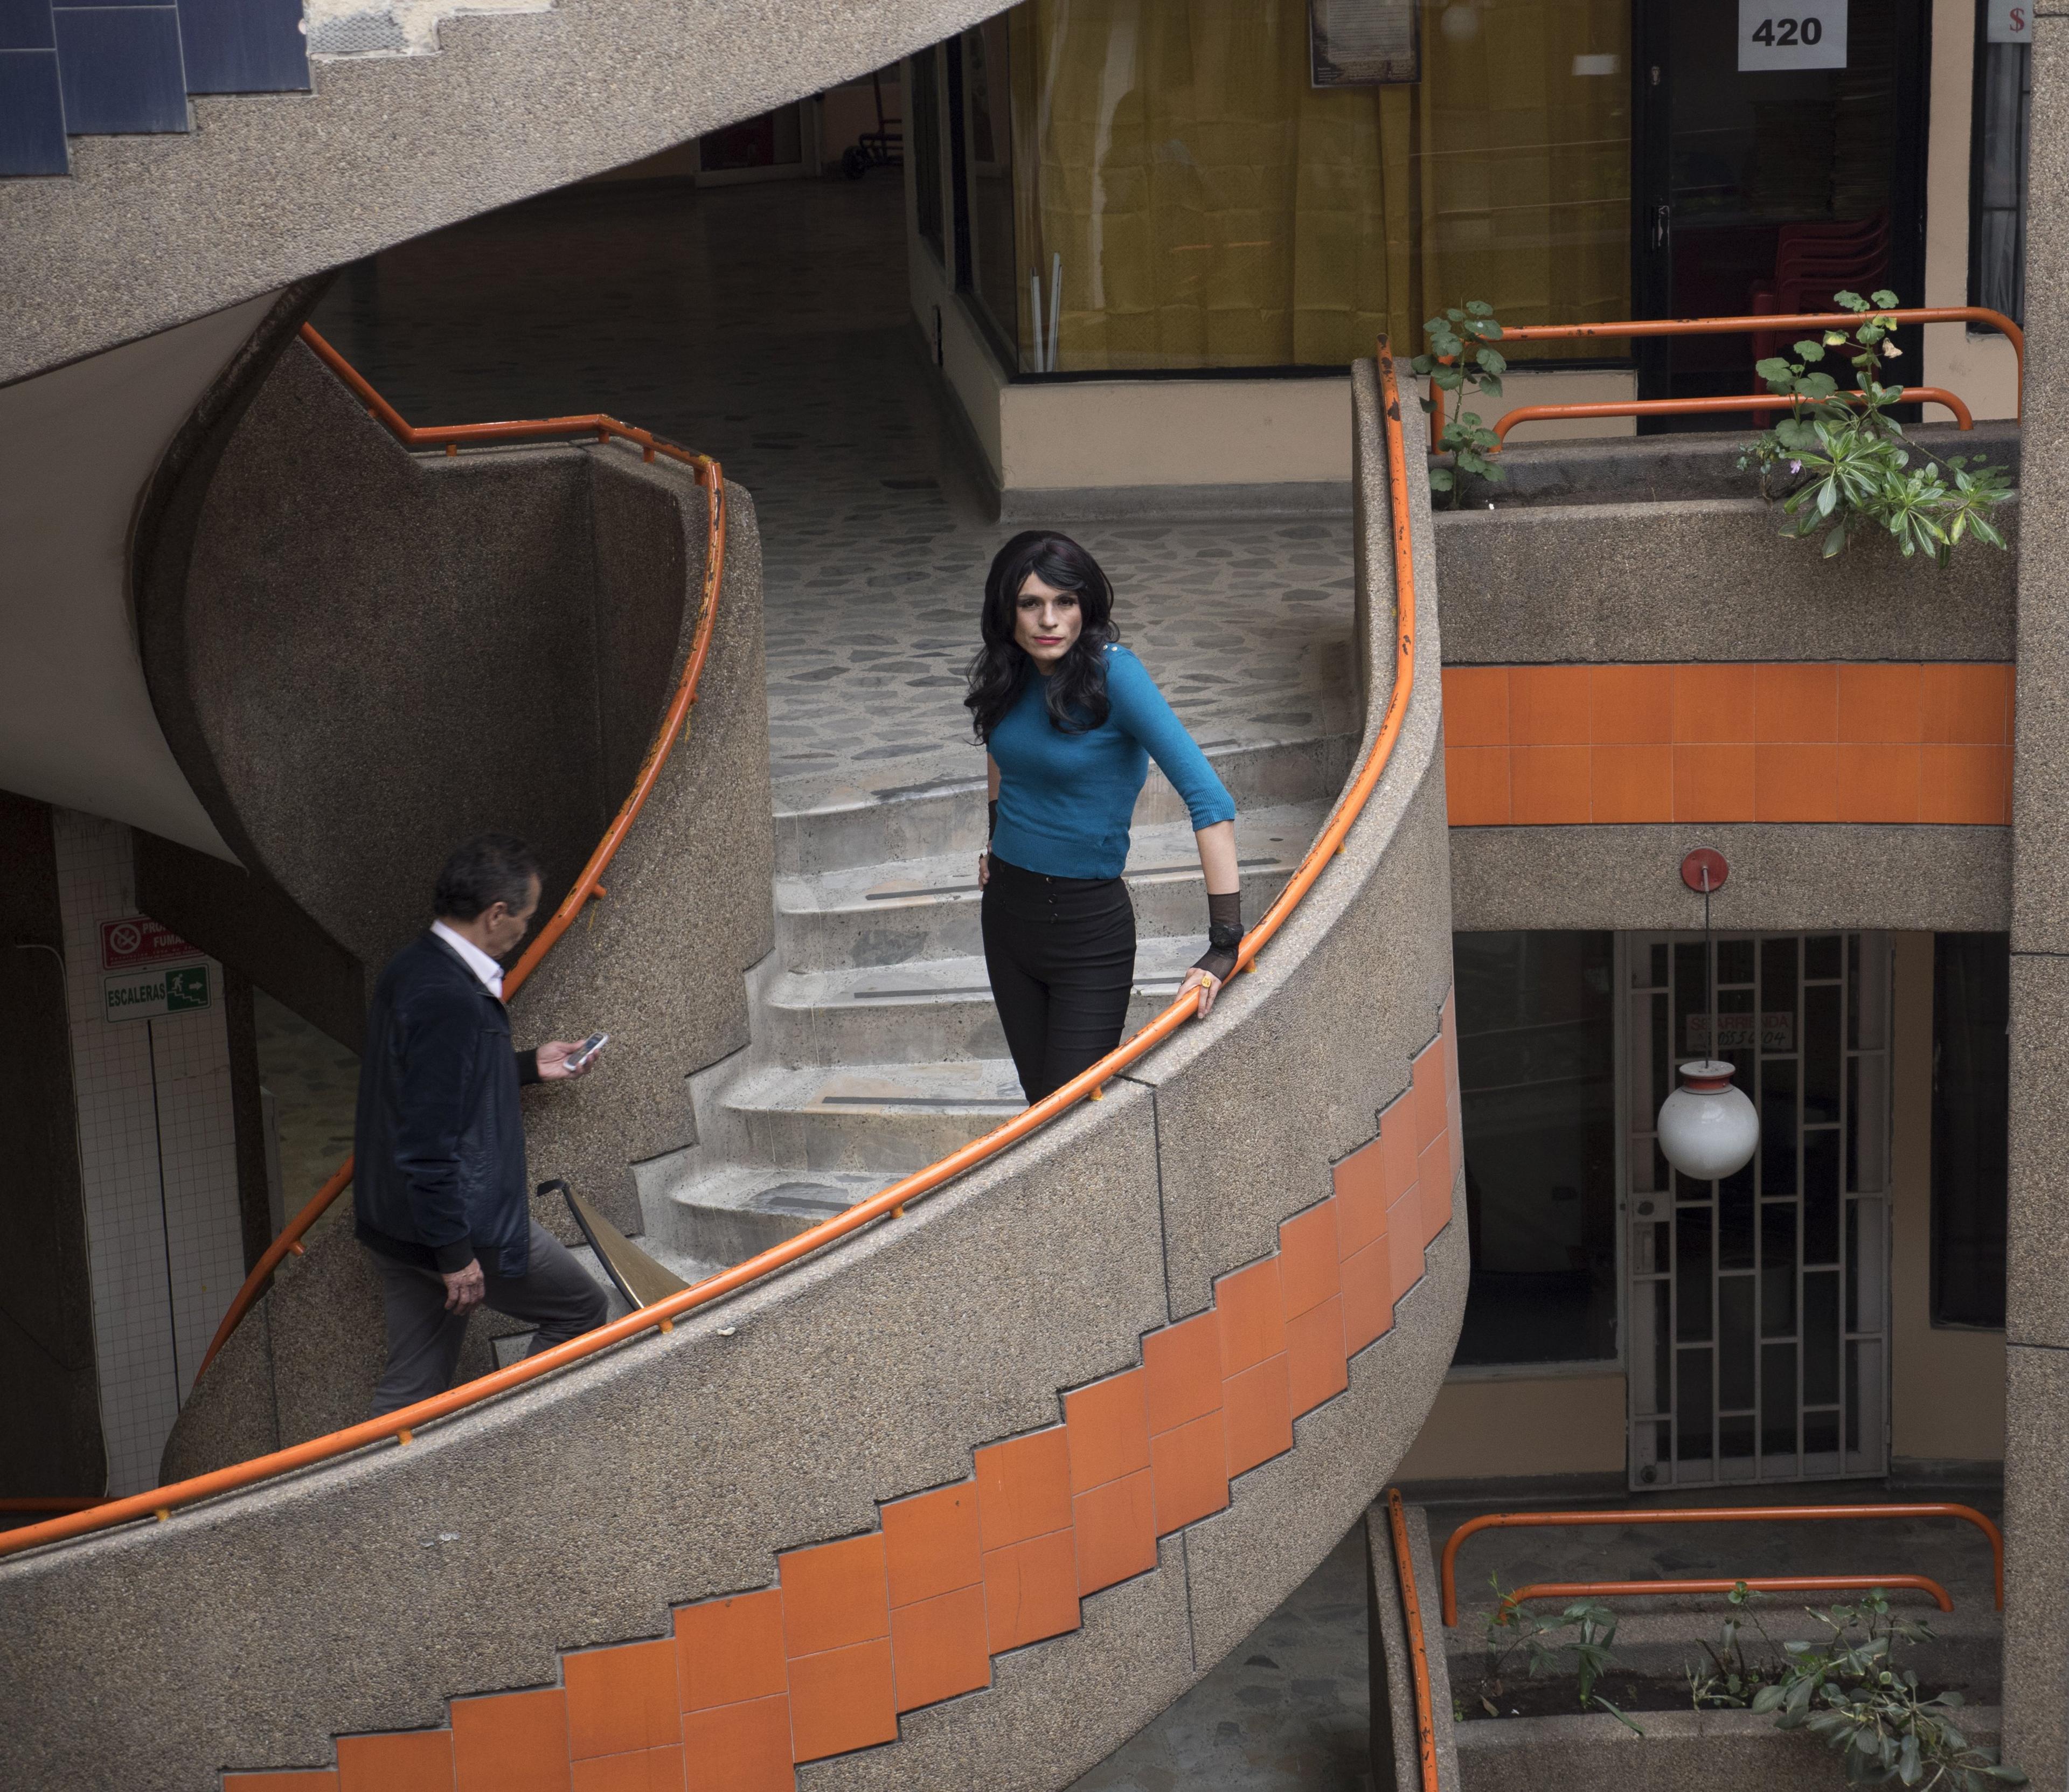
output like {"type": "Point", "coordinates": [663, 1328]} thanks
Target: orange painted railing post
{"type": "Point", "coordinates": [1418, 1653]}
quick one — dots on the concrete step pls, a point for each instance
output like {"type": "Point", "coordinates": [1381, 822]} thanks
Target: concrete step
{"type": "Point", "coordinates": [928, 1010]}
{"type": "Point", "coordinates": [732, 1212]}
{"type": "Point", "coordinates": [921, 908]}
{"type": "Point", "coordinates": [891, 1117]}
{"type": "Point", "coordinates": [929, 819]}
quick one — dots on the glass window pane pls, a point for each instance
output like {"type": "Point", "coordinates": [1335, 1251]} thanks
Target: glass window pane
{"type": "Point", "coordinates": [1777, 1269]}
{"type": "Point", "coordinates": [1735, 1342]}
{"type": "Point", "coordinates": [1971, 1101]}
{"type": "Point", "coordinates": [1820, 1197]}
{"type": "Point", "coordinates": [1777, 1399]}
{"type": "Point", "coordinates": [1777, 1126]}
{"type": "Point", "coordinates": [1735, 1220]}
{"type": "Point", "coordinates": [1822, 1056]}
{"type": "Point", "coordinates": [1692, 1274]}
{"type": "Point", "coordinates": [1997, 223]}
{"type": "Point", "coordinates": [1821, 955]}
{"type": "Point", "coordinates": [924, 137]}
{"type": "Point", "coordinates": [988, 82]}
{"type": "Point", "coordinates": [1212, 207]}
{"type": "Point", "coordinates": [1821, 1338]}
{"type": "Point", "coordinates": [1864, 1266]}
{"type": "Point", "coordinates": [1536, 1071]}
{"type": "Point", "coordinates": [1735, 962]}
{"type": "Point", "coordinates": [1692, 1405]}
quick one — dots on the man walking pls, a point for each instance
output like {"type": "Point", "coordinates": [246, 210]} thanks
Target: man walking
{"type": "Point", "coordinates": [440, 1195]}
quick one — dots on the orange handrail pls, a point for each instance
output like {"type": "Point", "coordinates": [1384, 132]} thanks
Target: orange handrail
{"type": "Point", "coordinates": [1448, 1571]}
{"type": "Point", "coordinates": [1963, 419]}
{"type": "Point", "coordinates": [402, 1424]}
{"type": "Point", "coordinates": [1770, 1583]}
{"type": "Point", "coordinates": [712, 479]}
{"type": "Point", "coordinates": [1745, 326]}
{"type": "Point", "coordinates": [1418, 1653]}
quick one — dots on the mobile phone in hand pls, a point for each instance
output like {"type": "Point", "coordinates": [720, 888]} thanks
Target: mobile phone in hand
{"type": "Point", "coordinates": [578, 1058]}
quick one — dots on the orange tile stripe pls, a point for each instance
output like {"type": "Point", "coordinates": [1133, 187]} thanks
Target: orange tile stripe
{"type": "Point", "coordinates": [1548, 745]}
{"type": "Point", "coordinates": [856, 1632]}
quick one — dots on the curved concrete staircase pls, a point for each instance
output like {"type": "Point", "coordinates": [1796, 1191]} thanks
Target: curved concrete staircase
{"type": "Point", "coordinates": [962, 1500]}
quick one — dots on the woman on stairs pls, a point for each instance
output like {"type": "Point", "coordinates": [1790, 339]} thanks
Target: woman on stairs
{"type": "Point", "coordinates": [1070, 719]}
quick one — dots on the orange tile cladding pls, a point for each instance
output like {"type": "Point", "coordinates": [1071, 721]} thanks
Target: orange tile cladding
{"type": "Point", "coordinates": [1631, 784]}
{"type": "Point", "coordinates": [1475, 706]}
{"type": "Point", "coordinates": [1878, 783]}
{"type": "Point", "coordinates": [1183, 1366]}
{"type": "Point", "coordinates": [1476, 786]}
{"type": "Point", "coordinates": [1309, 1254]}
{"type": "Point", "coordinates": [621, 1699]}
{"type": "Point", "coordinates": [1433, 1183]}
{"type": "Point", "coordinates": [1812, 722]}
{"type": "Point", "coordinates": [1252, 1315]}
{"type": "Point", "coordinates": [1547, 786]}
{"type": "Point", "coordinates": [1361, 1198]}
{"type": "Point", "coordinates": [1967, 704]}
{"type": "Point", "coordinates": [1117, 1527]}
{"type": "Point", "coordinates": [1370, 1289]}
{"type": "Point", "coordinates": [1108, 1423]}
{"type": "Point", "coordinates": [1398, 1144]}
{"type": "Point", "coordinates": [743, 1748]}
{"type": "Point", "coordinates": [834, 1594]}
{"type": "Point", "coordinates": [643, 1770]}
{"type": "Point", "coordinates": [842, 1699]}
{"type": "Point", "coordinates": [1796, 783]}
{"type": "Point", "coordinates": [1631, 706]}
{"type": "Point", "coordinates": [931, 1544]}
{"type": "Point", "coordinates": [319, 1779]}
{"type": "Point", "coordinates": [1548, 706]}
{"type": "Point", "coordinates": [1428, 1088]}
{"type": "Point", "coordinates": [1315, 1353]}
{"type": "Point", "coordinates": [1257, 1414]}
{"type": "Point", "coordinates": [511, 1742]}
{"type": "Point", "coordinates": [1023, 1488]}
{"type": "Point", "coordinates": [728, 1650]}
{"type": "Point", "coordinates": [1713, 704]}
{"type": "Point", "coordinates": [1968, 785]}
{"type": "Point", "coordinates": [1713, 783]}
{"type": "Point", "coordinates": [938, 1648]}
{"type": "Point", "coordinates": [1880, 704]}
{"type": "Point", "coordinates": [1190, 1468]}
{"type": "Point", "coordinates": [1793, 704]}
{"type": "Point", "coordinates": [1030, 1591]}
{"type": "Point", "coordinates": [1403, 1246]}
{"type": "Point", "coordinates": [407, 1760]}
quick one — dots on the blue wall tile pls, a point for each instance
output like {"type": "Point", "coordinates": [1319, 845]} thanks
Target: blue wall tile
{"type": "Point", "coordinates": [25, 25]}
{"type": "Point", "coordinates": [121, 69]}
{"type": "Point", "coordinates": [243, 46]}
{"type": "Point", "coordinates": [32, 139]}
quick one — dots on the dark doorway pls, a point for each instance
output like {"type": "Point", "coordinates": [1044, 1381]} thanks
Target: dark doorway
{"type": "Point", "coordinates": [1769, 189]}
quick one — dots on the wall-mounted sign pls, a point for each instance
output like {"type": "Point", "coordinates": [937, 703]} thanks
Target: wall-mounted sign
{"type": "Point", "coordinates": [1363, 42]}
{"type": "Point", "coordinates": [1791, 34]}
{"type": "Point", "coordinates": [138, 939]}
{"type": "Point", "coordinates": [2009, 22]}
{"type": "Point", "coordinates": [1776, 1032]}
{"type": "Point", "coordinates": [153, 994]}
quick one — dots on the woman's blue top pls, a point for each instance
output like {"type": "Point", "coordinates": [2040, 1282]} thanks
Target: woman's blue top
{"type": "Point", "coordinates": [1065, 800]}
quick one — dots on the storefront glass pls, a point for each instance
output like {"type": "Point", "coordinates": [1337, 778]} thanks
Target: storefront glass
{"type": "Point", "coordinates": [1191, 201]}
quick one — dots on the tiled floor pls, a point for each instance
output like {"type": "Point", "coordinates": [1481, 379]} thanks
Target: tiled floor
{"type": "Point", "coordinates": [768, 326]}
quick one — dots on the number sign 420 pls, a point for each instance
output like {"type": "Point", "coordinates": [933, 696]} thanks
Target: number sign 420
{"type": "Point", "coordinates": [1811, 34]}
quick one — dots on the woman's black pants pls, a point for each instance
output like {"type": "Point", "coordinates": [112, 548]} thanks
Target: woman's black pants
{"type": "Point", "coordinates": [1061, 952]}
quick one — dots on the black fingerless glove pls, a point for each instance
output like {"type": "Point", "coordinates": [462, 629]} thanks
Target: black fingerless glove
{"type": "Point", "coordinates": [1224, 934]}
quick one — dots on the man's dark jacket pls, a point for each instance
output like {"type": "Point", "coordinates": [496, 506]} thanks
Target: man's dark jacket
{"type": "Point", "coordinates": [439, 1178]}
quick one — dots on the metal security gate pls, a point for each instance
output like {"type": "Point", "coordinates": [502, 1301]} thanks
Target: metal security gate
{"type": "Point", "coordinates": [1758, 1329]}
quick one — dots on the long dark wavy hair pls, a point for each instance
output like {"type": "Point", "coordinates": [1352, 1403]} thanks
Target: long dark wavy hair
{"type": "Point", "coordinates": [1076, 692]}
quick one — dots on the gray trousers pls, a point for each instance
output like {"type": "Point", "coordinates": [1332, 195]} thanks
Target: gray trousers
{"type": "Point", "coordinates": [556, 1294]}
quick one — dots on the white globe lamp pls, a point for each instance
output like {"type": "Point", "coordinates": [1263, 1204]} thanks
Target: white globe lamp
{"type": "Point", "coordinates": [1708, 1128]}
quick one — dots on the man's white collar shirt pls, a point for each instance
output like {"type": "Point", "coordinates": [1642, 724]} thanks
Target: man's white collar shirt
{"type": "Point", "coordinates": [471, 955]}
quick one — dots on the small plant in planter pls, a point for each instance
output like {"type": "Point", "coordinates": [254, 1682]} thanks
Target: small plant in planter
{"type": "Point", "coordinates": [1463, 360]}
{"type": "Point", "coordinates": [1579, 1639]}
{"type": "Point", "coordinates": [1850, 462]}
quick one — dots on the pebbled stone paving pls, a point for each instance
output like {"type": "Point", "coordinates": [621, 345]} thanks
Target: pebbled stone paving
{"type": "Point", "coordinates": [769, 325]}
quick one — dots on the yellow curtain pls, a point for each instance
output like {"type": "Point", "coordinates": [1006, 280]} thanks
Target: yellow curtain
{"type": "Point", "coordinates": [1211, 208]}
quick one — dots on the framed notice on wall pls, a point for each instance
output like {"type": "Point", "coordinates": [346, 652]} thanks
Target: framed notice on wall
{"type": "Point", "coordinates": [1363, 42]}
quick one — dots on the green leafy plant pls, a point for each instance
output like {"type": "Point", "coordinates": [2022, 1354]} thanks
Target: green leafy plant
{"type": "Point", "coordinates": [1851, 1690]}
{"type": "Point", "coordinates": [1463, 360]}
{"type": "Point", "coordinates": [1733, 1675]}
{"type": "Point", "coordinates": [1578, 1640]}
{"type": "Point", "coordinates": [1848, 459]}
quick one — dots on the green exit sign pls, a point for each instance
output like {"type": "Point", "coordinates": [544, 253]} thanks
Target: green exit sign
{"type": "Point", "coordinates": [153, 994]}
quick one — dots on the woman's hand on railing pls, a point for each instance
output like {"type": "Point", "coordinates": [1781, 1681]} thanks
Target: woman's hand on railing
{"type": "Point", "coordinates": [1207, 985]}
